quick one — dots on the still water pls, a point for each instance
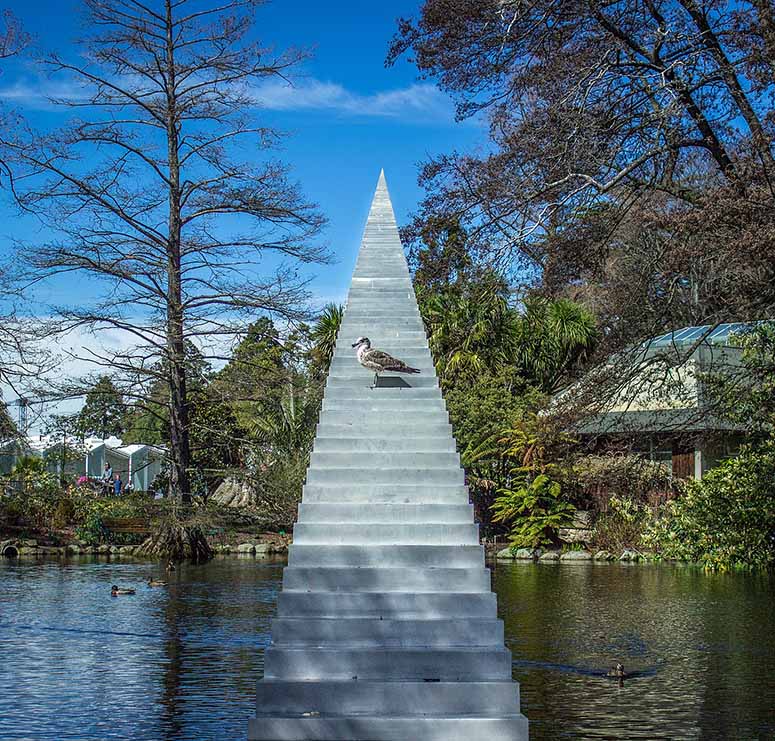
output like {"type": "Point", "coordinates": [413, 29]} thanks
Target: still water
{"type": "Point", "coordinates": [181, 662]}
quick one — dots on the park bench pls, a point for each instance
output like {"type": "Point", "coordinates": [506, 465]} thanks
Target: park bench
{"type": "Point", "coordinates": [127, 524]}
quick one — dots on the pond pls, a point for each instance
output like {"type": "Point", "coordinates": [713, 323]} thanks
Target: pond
{"type": "Point", "coordinates": [181, 662]}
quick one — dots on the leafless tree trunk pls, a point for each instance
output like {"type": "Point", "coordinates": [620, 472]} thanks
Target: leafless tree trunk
{"type": "Point", "coordinates": [151, 204]}
{"type": "Point", "coordinates": [19, 359]}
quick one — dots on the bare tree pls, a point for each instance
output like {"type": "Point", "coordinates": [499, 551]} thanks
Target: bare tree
{"type": "Point", "coordinates": [629, 166]}
{"type": "Point", "coordinates": [19, 359]}
{"type": "Point", "coordinates": [12, 36]}
{"type": "Point", "coordinates": [593, 101]}
{"type": "Point", "coordinates": [171, 232]}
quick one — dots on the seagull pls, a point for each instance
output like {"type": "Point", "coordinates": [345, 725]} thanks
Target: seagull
{"type": "Point", "coordinates": [379, 361]}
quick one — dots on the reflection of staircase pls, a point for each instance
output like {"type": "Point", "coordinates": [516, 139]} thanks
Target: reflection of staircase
{"type": "Point", "coordinates": [386, 625]}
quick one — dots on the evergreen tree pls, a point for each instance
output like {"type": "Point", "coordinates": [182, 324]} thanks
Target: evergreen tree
{"type": "Point", "coordinates": [104, 411]}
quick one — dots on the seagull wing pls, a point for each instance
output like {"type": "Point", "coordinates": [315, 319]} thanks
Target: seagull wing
{"type": "Point", "coordinates": [388, 362]}
{"type": "Point", "coordinates": [380, 358]}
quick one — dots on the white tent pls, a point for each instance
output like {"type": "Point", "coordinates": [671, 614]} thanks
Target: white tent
{"type": "Point", "coordinates": [136, 463]}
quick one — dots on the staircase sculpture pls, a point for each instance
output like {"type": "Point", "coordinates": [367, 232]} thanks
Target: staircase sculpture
{"type": "Point", "coordinates": [386, 627]}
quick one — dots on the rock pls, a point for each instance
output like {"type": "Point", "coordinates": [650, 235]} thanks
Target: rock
{"type": "Point", "coordinates": [27, 550]}
{"type": "Point", "coordinates": [126, 550]}
{"type": "Point", "coordinates": [604, 556]}
{"type": "Point", "coordinates": [234, 493]}
{"type": "Point", "coordinates": [225, 548]}
{"type": "Point", "coordinates": [550, 556]}
{"type": "Point", "coordinates": [29, 543]}
{"type": "Point", "coordinates": [72, 549]}
{"type": "Point", "coordinates": [264, 549]}
{"type": "Point", "coordinates": [524, 554]}
{"type": "Point", "coordinates": [575, 535]}
{"type": "Point", "coordinates": [246, 548]}
{"type": "Point", "coordinates": [103, 549]}
{"type": "Point", "coordinates": [505, 555]}
{"type": "Point", "coordinates": [279, 548]}
{"type": "Point", "coordinates": [628, 554]}
{"type": "Point", "coordinates": [9, 549]}
{"type": "Point", "coordinates": [576, 556]}
{"type": "Point", "coordinates": [582, 519]}
{"type": "Point", "coordinates": [115, 549]}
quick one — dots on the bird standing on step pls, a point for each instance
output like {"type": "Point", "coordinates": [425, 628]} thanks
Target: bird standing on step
{"type": "Point", "coordinates": [379, 361]}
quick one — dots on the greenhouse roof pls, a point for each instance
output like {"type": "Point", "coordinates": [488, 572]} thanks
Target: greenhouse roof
{"type": "Point", "coordinates": [689, 335]}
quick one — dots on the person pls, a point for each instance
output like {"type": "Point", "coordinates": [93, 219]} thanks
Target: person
{"type": "Point", "coordinates": [117, 485]}
{"type": "Point", "coordinates": [106, 479]}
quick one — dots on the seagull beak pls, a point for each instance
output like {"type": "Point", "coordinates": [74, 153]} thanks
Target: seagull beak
{"type": "Point", "coordinates": [355, 344]}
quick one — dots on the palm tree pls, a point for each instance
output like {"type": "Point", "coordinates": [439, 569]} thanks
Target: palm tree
{"type": "Point", "coordinates": [554, 337]}
{"type": "Point", "coordinates": [286, 429]}
{"type": "Point", "coordinates": [324, 334]}
{"type": "Point", "coordinates": [473, 331]}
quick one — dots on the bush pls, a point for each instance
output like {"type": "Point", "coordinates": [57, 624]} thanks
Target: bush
{"type": "Point", "coordinates": [533, 502]}
{"type": "Point", "coordinates": [64, 512]}
{"type": "Point", "coordinates": [621, 525]}
{"type": "Point", "coordinates": [725, 521]}
{"type": "Point", "coordinates": [630, 477]}
{"type": "Point", "coordinates": [536, 510]}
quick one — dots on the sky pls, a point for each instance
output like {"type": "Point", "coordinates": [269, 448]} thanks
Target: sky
{"type": "Point", "coordinates": [347, 116]}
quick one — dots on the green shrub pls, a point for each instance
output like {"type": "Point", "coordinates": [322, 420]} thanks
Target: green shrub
{"type": "Point", "coordinates": [725, 521]}
{"type": "Point", "coordinates": [92, 531]}
{"type": "Point", "coordinates": [535, 510]}
{"type": "Point", "coordinates": [533, 503]}
{"type": "Point", "coordinates": [625, 477]}
{"type": "Point", "coordinates": [621, 525]}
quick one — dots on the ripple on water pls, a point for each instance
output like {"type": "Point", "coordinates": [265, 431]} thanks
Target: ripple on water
{"type": "Point", "coordinates": [181, 662]}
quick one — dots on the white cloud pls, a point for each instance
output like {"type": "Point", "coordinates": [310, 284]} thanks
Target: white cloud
{"type": "Point", "coordinates": [419, 101]}
{"type": "Point", "coordinates": [38, 93]}
{"type": "Point", "coordinates": [71, 352]}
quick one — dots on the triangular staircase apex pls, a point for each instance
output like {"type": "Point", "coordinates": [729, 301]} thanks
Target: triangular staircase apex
{"type": "Point", "coordinates": [387, 629]}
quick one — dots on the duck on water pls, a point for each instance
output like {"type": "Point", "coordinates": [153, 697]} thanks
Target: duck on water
{"type": "Point", "coordinates": [116, 591]}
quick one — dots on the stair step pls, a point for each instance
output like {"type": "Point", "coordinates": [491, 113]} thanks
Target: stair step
{"type": "Point", "coordinates": [385, 512]}
{"type": "Point", "coordinates": [366, 477]}
{"type": "Point", "coordinates": [424, 363]}
{"type": "Point", "coordinates": [386, 633]}
{"type": "Point", "coordinates": [407, 421]}
{"type": "Point", "coordinates": [365, 429]}
{"type": "Point", "coordinates": [386, 493]}
{"type": "Point", "coordinates": [393, 459]}
{"type": "Point", "coordinates": [416, 556]}
{"type": "Point", "coordinates": [348, 579]}
{"type": "Point", "coordinates": [388, 664]}
{"type": "Point", "coordinates": [378, 406]}
{"type": "Point", "coordinates": [426, 444]}
{"type": "Point", "coordinates": [385, 534]}
{"type": "Point", "coordinates": [387, 605]}
{"type": "Point", "coordinates": [394, 728]}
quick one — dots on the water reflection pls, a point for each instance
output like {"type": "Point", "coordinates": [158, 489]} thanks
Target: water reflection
{"type": "Point", "coordinates": [699, 646]}
{"type": "Point", "coordinates": [181, 662]}
{"type": "Point", "coordinates": [174, 663]}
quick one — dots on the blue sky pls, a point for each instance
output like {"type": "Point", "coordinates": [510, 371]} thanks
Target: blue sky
{"type": "Point", "coordinates": [348, 115]}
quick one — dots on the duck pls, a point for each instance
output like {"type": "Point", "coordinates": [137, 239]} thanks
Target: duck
{"type": "Point", "coordinates": [617, 672]}
{"type": "Point", "coordinates": [156, 582]}
{"type": "Point", "coordinates": [117, 591]}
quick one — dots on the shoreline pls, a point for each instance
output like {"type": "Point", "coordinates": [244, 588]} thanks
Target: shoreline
{"type": "Point", "coordinates": [30, 548]}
